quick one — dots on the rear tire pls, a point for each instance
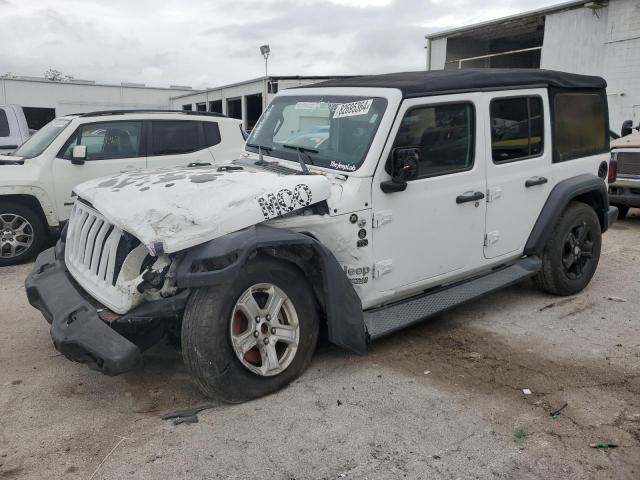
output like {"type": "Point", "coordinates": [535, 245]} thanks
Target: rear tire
{"type": "Point", "coordinates": [22, 233]}
{"type": "Point", "coordinates": [216, 330]}
{"type": "Point", "coordinates": [571, 255]}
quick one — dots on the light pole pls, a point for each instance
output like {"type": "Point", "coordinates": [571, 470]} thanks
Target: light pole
{"type": "Point", "coordinates": [265, 51]}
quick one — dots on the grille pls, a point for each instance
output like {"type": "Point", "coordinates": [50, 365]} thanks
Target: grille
{"type": "Point", "coordinates": [628, 163]}
{"type": "Point", "coordinates": [95, 251]}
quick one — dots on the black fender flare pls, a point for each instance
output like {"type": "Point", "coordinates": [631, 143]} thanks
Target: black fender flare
{"type": "Point", "coordinates": [217, 262]}
{"type": "Point", "coordinates": [586, 188]}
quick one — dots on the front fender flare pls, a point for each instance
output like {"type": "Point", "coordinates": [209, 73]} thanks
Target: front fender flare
{"type": "Point", "coordinates": [218, 261]}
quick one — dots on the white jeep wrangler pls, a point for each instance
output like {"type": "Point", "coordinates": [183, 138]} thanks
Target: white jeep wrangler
{"type": "Point", "coordinates": [36, 180]}
{"type": "Point", "coordinates": [363, 205]}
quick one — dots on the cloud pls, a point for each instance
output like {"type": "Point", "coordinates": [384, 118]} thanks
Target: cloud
{"type": "Point", "coordinates": [207, 43]}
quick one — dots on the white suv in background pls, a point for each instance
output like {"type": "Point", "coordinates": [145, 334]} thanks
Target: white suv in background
{"type": "Point", "coordinates": [37, 180]}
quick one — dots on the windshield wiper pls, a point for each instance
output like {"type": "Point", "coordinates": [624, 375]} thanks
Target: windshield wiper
{"type": "Point", "coordinates": [260, 148]}
{"type": "Point", "coordinates": [305, 151]}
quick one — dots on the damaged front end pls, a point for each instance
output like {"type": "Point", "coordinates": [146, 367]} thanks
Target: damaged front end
{"type": "Point", "coordinates": [107, 299]}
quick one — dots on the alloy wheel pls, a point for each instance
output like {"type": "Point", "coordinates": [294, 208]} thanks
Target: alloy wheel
{"type": "Point", "coordinates": [16, 235]}
{"type": "Point", "coordinates": [264, 329]}
{"type": "Point", "coordinates": [577, 250]}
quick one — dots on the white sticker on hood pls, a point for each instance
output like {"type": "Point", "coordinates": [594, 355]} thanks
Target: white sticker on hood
{"type": "Point", "coordinates": [352, 109]}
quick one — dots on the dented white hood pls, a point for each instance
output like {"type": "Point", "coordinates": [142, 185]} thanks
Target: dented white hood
{"type": "Point", "coordinates": [180, 207]}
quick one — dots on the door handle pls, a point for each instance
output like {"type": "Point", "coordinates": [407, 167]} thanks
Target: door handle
{"type": "Point", "coordinates": [469, 197]}
{"type": "Point", "coordinates": [533, 181]}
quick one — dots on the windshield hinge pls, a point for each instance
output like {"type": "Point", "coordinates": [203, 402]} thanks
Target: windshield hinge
{"type": "Point", "coordinates": [381, 217]}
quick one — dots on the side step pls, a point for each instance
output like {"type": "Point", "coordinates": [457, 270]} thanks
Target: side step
{"type": "Point", "coordinates": [393, 317]}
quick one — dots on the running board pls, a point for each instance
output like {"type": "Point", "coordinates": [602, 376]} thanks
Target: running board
{"type": "Point", "coordinates": [393, 317]}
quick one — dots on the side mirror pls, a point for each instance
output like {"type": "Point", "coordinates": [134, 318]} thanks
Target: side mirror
{"type": "Point", "coordinates": [404, 166]}
{"type": "Point", "coordinates": [79, 155]}
{"type": "Point", "coordinates": [627, 128]}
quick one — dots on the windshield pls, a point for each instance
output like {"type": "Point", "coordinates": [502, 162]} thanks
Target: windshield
{"type": "Point", "coordinates": [41, 139]}
{"type": "Point", "coordinates": [334, 131]}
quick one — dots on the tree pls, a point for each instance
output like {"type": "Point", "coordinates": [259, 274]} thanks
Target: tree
{"type": "Point", "coordinates": [54, 75]}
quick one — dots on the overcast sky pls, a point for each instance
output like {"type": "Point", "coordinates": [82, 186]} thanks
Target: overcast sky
{"type": "Point", "coordinates": [208, 43]}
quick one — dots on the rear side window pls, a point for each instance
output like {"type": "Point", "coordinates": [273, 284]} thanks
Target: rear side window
{"type": "Point", "coordinates": [173, 137]}
{"type": "Point", "coordinates": [444, 134]}
{"type": "Point", "coordinates": [107, 140]}
{"type": "Point", "coordinates": [4, 124]}
{"type": "Point", "coordinates": [580, 125]}
{"type": "Point", "coordinates": [211, 134]}
{"type": "Point", "coordinates": [516, 128]}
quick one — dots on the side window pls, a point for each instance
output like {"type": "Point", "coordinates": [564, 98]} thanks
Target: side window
{"type": "Point", "coordinates": [516, 128]}
{"type": "Point", "coordinates": [173, 137]}
{"type": "Point", "coordinates": [107, 140]}
{"type": "Point", "coordinates": [211, 134]}
{"type": "Point", "coordinates": [444, 134]}
{"type": "Point", "coordinates": [580, 125]}
{"type": "Point", "coordinates": [4, 124]}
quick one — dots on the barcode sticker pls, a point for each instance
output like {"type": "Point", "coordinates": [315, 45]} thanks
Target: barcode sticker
{"type": "Point", "coordinates": [352, 109]}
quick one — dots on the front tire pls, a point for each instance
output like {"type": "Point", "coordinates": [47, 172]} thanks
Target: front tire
{"type": "Point", "coordinates": [571, 255]}
{"type": "Point", "coordinates": [22, 233]}
{"type": "Point", "coordinates": [253, 336]}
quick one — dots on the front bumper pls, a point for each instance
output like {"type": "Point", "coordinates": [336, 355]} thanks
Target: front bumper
{"type": "Point", "coordinates": [77, 330]}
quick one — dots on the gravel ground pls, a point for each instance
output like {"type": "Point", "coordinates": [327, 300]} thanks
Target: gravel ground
{"type": "Point", "coordinates": [441, 400]}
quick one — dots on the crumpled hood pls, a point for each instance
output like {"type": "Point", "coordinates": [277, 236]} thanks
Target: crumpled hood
{"type": "Point", "coordinates": [185, 206]}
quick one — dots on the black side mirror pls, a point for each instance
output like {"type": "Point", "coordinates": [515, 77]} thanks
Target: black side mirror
{"type": "Point", "coordinates": [627, 128]}
{"type": "Point", "coordinates": [404, 166]}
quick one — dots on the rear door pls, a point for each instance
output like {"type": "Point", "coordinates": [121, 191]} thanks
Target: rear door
{"type": "Point", "coordinates": [518, 167]}
{"type": "Point", "coordinates": [181, 142]}
{"type": "Point", "coordinates": [112, 148]}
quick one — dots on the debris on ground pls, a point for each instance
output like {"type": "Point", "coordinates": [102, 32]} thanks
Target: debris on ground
{"type": "Point", "coordinates": [556, 413]}
{"type": "Point", "coordinates": [339, 402]}
{"type": "Point", "coordinates": [526, 391]}
{"type": "Point", "coordinates": [603, 445]}
{"type": "Point", "coordinates": [616, 299]}
{"type": "Point", "coordinates": [547, 307]}
{"type": "Point", "coordinates": [188, 415]}
{"type": "Point", "coordinates": [427, 372]}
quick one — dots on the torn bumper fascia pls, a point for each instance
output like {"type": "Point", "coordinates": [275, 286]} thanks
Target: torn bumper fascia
{"type": "Point", "coordinates": [76, 328]}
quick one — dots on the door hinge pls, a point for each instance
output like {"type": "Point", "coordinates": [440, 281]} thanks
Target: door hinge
{"type": "Point", "coordinates": [493, 194]}
{"type": "Point", "coordinates": [382, 217]}
{"type": "Point", "coordinates": [382, 268]}
{"type": "Point", "coordinates": [491, 238]}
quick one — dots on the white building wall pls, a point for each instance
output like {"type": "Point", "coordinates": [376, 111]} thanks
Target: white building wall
{"type": "Point", "coordinates": [70, 97]}
{"type": "Point", "coordinates": [606, 44]}
{"type": "Point", "coordinates": [438, 54]}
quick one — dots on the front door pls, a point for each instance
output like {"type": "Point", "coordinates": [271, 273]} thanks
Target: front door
{"type": "Point", "coordinates": [518, 166]}
{"type": "Point", "coordinates": [433, 230]}
{"type": "Point", "coordinates": [112, 148]}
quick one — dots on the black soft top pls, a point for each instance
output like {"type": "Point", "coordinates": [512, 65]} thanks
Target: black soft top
{"type": "Point", "coordinates": [419, 84]}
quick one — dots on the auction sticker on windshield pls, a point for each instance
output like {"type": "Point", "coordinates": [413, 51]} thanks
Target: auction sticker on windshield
{"type": "Point", "coordinates": [352, 109]}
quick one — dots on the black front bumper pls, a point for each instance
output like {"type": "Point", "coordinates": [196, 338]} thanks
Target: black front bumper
{"type": "Point", "coordinates": [76, 328]}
